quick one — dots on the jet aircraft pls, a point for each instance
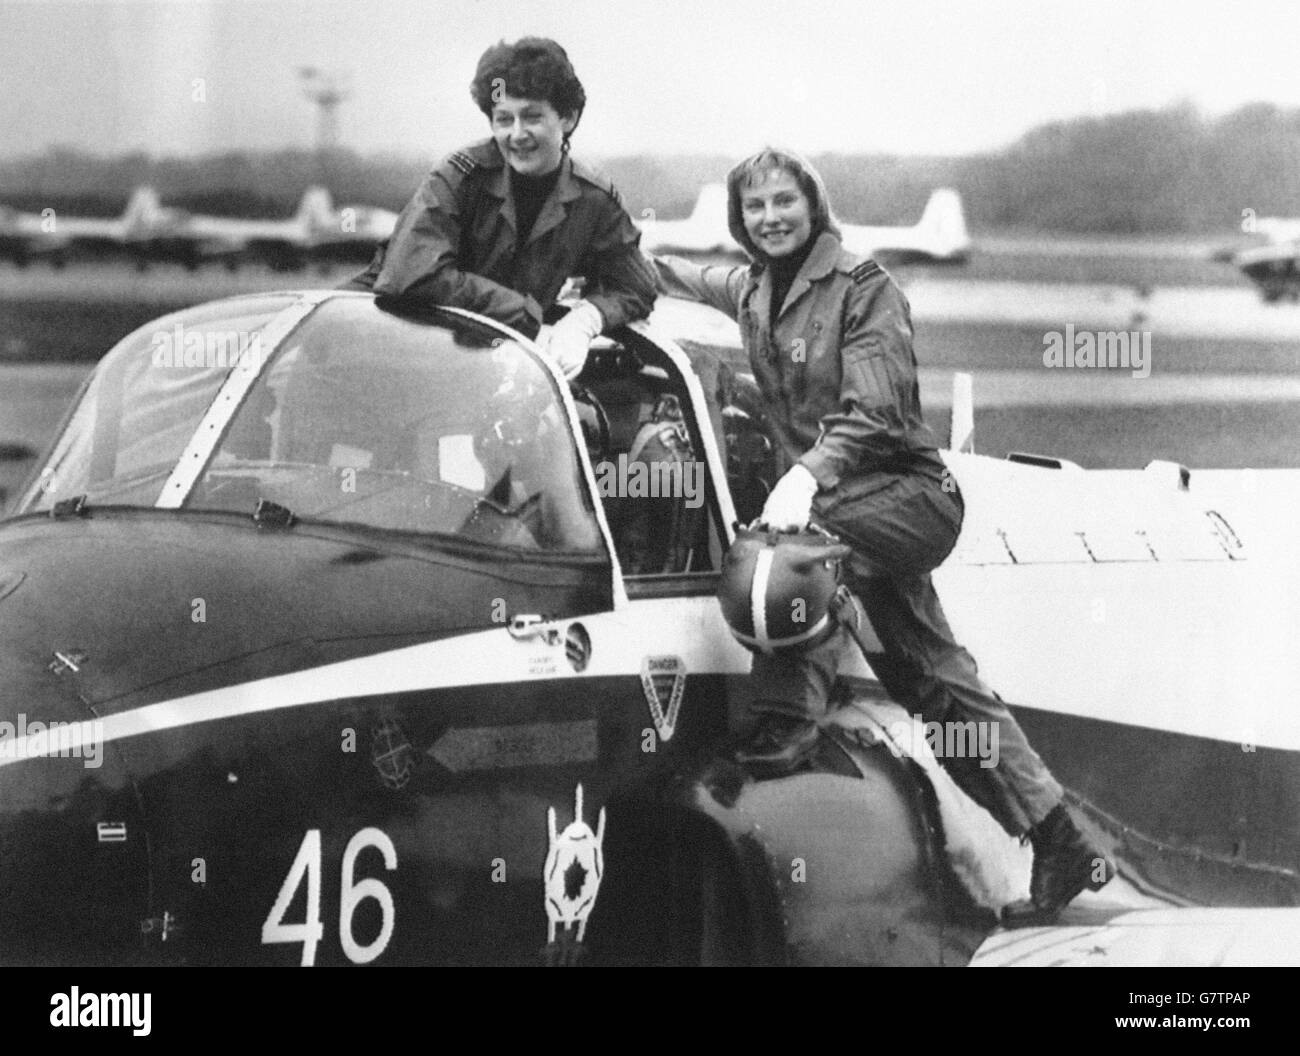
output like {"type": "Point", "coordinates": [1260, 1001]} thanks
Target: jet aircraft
{"type": "Point", "coordinates": [48, 236]}
{"type": "Point", "coordinates": [324, 645]}
{"type": "Point", "coordinates": [317, 232]}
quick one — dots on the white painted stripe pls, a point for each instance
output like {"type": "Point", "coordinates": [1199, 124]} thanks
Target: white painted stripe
{"type": "Point", "coordinates": [758, 599]}
{"type": "Point", "coordinates": [480, 658]}
{"type": "Point", "coordinates": [781, 643]}
{"type": "Point", "coordinates": [198, 452]}
{"type": "Point", "coordinates": [691, 628]}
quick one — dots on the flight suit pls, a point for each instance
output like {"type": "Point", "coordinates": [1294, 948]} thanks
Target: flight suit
{"type": "Point", "coordinates": [455, 244]}
{"type": "Point", "coordinates": [839, 380]}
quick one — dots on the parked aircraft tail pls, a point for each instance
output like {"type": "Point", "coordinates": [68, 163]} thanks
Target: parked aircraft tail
{"type": "Point", "coordinates": [711, 207]}
{"type": "Point", "coordinates": [943, 224]}
{"type": "Point", "coordinates": [143, 210]}
{"type": "Point", "coordinates": [316, 210]}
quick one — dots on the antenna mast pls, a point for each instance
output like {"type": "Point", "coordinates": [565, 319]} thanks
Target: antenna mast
{"type": "Point", "coordinates": [327, 89]}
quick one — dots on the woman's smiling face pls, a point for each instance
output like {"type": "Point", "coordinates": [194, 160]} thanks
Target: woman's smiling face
{"type": "Point", "coordinates": [529, 134]}
{"type": "Point", "coordinates": [776, 213]}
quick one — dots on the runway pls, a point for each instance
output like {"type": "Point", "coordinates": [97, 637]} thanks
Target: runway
{"type": "Point", "coordinates": [1173, 311]}
{"type": "Point", "coordinates": [1223, 389]}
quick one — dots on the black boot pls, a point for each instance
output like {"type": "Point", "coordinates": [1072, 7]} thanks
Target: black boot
{"type": "Point", "coordinates": [780, 745]}
{"type": "Point", "coordinates": [1065, 862]}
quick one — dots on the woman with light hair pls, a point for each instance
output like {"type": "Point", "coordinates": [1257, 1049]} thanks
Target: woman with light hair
{"type": "Point", "coordinates": [829, 339]}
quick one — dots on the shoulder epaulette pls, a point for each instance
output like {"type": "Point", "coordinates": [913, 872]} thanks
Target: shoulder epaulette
{"type": "Point", "coordinates": [597, 178]}
{"type": "Point", "coordinates": [462, 162]}
{"type": "Point", "coordinates": [481, 155]}
{"type": "Point", "coordinates": [864, 271]}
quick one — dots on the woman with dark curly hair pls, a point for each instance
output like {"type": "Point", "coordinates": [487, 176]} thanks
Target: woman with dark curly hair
{"type": "Point", "coordinates": [499, 226]}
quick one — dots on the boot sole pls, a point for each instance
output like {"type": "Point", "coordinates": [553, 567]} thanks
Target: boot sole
{"type": "Point", "coordinates": [1031, 914]}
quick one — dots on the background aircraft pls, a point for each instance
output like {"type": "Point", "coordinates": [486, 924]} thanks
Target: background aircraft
{"type": "Point", "coordinates": [1274, 268]}
{"type": "Point", "coordinates": [193, 238]}
{"type": "Point", "coordinates": [351, 234]}
{"type": "Point", "coordinates": [939, 237]}
{"type": "Point", "coordinates": [1279, 228]}
{"type": "Point", "coordinates": [703, 232]}
{"type": "Point", "coordinates": [1273, 265]}
{"type": "Point", "coordinates": [49, 236]}
{"type": "Point", "coordinates": [317, 232]}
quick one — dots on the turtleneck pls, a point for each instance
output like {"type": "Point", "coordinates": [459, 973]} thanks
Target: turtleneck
{"type": "Point", "coordinates": [783, 271]}
{"type": "Point", "coordinates": [530, 194]}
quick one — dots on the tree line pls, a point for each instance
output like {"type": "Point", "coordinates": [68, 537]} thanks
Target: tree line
{"type": "Point", "coordinates": [1166, 171]}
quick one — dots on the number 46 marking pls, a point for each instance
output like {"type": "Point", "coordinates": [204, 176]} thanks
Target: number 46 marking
{"type": "Point", "coordinates": [351, 895]}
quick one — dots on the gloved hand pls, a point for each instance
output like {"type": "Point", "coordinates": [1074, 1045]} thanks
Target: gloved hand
{"type": "Point", "coordinates": [790, 504]}
{"type": "Point", "coordinates": [571, 337]}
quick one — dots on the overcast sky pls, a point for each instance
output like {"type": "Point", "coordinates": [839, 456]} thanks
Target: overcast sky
{"type": "Point", "coordinates": [662, 76]}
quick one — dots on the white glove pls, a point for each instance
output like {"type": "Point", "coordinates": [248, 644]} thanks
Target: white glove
{"type": "Point", "coordinates": [790, 504]}
{"type": "Point", "coordinates": [571, 337]}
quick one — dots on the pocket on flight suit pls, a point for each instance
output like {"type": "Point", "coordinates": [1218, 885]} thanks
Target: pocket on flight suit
{"type": "Point", "coordinates": [949, 513]}
{"type": "Point", "coordinates": [853, 489]}
{"type": "Point", "coordinates": [895, 525]}
{"type": "Point", "coordinates": [857, 511]}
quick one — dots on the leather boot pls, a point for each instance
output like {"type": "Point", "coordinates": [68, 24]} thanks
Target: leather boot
{"type": "Point", "coordinates": [1065, 862]}
{"type": "Point", "coordinates": [780, 745]}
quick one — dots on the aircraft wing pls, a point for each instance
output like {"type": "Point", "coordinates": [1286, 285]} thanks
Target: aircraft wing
{"type": "Point", "coordinates": [1103, 937]}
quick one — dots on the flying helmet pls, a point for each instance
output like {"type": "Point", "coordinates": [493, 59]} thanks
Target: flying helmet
{"type": "Point", "coordinates": [777, 587]}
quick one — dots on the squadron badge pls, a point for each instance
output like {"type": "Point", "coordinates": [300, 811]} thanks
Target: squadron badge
{"type": "Point", "coordinates": [573, 868]}
{"type": "Point", "coordinates": [663, 678]}
{"type": "Point", "coordinates": [391, 754]}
